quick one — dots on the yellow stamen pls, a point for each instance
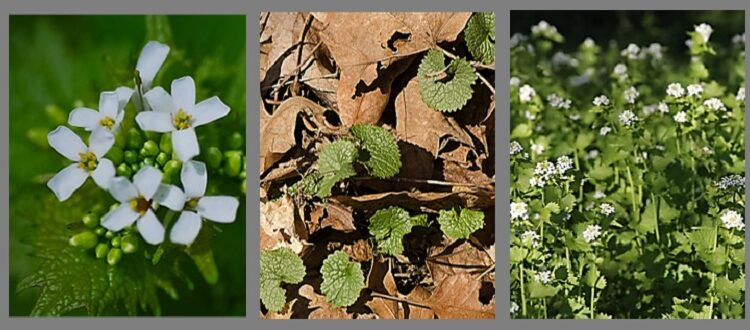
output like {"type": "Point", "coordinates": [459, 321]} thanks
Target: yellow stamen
{"type": "Point", "coordinates": [191, 204]}
{"type": "Point", "coordinates": [140, 205]}
{"type": "Point", "coordinates": [107, 122]}
{"type": "Point", "coordinates": [88, 161]}
{"type": "Point", "coordinates": [182, 120]}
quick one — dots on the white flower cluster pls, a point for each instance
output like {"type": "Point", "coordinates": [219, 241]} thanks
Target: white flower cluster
{"type": "Point", "coordinates": [601, 100]}
{"type": "Point", "coordinates": [544, 276]}
{"type": "Point", "coordinates": [526, 93]}
{"type": "Point", "coordinates": [564, 163]}
{"type": "Point", "coordinates": [543, 28]}
{"type": "Point", "coordinates": [695, 90]}
{"type": "Point", "coordinates": [532, 236]}
{"type": "Point", "coordinates": [632, 52]}
{"type": "Point", "coordinates": [561, 59]}
{"type": "Point", "coordinates": [715, 104]}
{"type": "Point", "coordinates": [558, 102]}
{"type": "Point", "coordinates": [514, 81]}
{"type": "Point", "coordinates": [680, 117]}
{"type": "Point", "coordinates": [583, 78]}
{"type": "Point", "coordinates": [675, 90]}
{"type": "Point", "coordinates": [705, 31]}
{"type": "Point", "coordinates": [537, 148]}
{"type": "Point", "coordinates": [546, 171]}
{"type": "Point", "coordinates": [732, 219]}
{"type": "Point", "coordinates": [630, 94]}
{"type": "Point", "coordinates": [738, 39]}
{"type": "Point", "coordinates": [592, 232]}
{"type": "Point", "coordinates": [519, 210]}
{"type": "Point", "coordinates": [628, 118]}
{"type": "Point", "coordinates": [513, 307]}
{"type": "Point", "coordinates": [599, 194]}
{"type": "Point", "coordinates": [741, 94]}
{"type": "Point", "coordinates": [515, 148]}
{"type": "Point", "coordinates": [733, 181]}
{"type": "Point", "coordinates": [606, 208]}
{"type": "Point", "coordinates": [604, 130]}
{"type": "Point", "coordinates": [620, 71]}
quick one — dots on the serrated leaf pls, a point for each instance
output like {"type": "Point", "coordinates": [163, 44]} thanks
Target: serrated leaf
{"type": "Point", "coordinates": [278, 266]}
{"type": "Point", "coordinates": [480, 37]}
{"type": "Point", "coordinates": [420, 220]}
{"type": "Point", "coordinates": [539, 290]}
{"type": "Point", "coordinates": [730, 289]}
{"type": "Point", "coordinates": [384, 159]}
{"type": "Point", "coordinates": [336, 163]}
{"type": "Point", "coordinates": [389, 227]}
{"type": "Point", "coordinates": [342, 279]}
{"type": "Point", "coordinates": [445, 88]}
{"type": "Point", "coordinates": [461, 225]}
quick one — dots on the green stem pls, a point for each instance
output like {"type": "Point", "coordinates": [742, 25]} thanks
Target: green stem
{"type": "Point", "coordinates": [635, 208]}
{"type": "Point", "coordinates": [523, 293]}
{"type": "Point", "coordinates": [593, 315]}
{"type": "Point", "coordinates": [656, 214]}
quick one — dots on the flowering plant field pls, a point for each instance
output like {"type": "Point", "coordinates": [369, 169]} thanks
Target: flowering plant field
{"type": "Point", "coordinates": [627, 178]}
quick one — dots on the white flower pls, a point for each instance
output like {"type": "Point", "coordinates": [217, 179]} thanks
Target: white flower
{"type": "Point", "coordinates": [558, 101]}
{"type": "Point", "coordinates": [741, 94]}
{"type": "Point", "coordinates": [662, 107]}
{"type": "Point", "coordinates": [537, 182]}
{"type": "Point", "coordinates": [704, 30]}
{"type": "Point", "coordinates": [680, 117]}
{"type": "Point", "coordinates": [732, 219]}
{"type": "Point", "coordinates": [589, 43]}
{"type": "Point", "coordinates": [526, 93]}
{"type": "Point", "coordinates": [529, 115]}
{"type": "Point", "coordinates": [544, 276]}
{"type": "Point", "coordinates": [630, 94]}
{"type": "Point", "coordinates": [606, 208]}
{"type": "Point", "coordinates": [738, 39]}
{"type": "Point", "coordinates": [515, 147]}
{"type": "Point", "coordinates": [513, 307]}
{"type": "Point", "coordinates": [562, 59]}
{"type": "Point", "coordinates": [514, 81]}
{"type": "Point", "coordinates": [545, 169]}
{"type": "Point", "coordinates": [592, 232]}
{"type": "Point", "coordinates": [179, 115]}
{"type": "Point", "coordinates": [604, 130]}
{"type": "Point", "coordinates": [519, 210]}
{"type": "Point", "coordinates": [537, 148]}
{"type": "Point", "coordinates": [655, 50]}
{"type": "Point", "coordinates": [543, 28]}
{"type": "Point", "coordinates": [631, 52]}
{"type": "Point", "coordinates": [714, 104]}
{"type": "Point", "coordinates": [620, 69]}
{"type": "Point", "coordinates": [89, 161]}
{"type": "Point", "coordinates": [532, 236]}
{"type": "Point", "coordinates": [149, 62]}
{"type": "Point", "coordinates": [601, 100]}
{"type": "Point", "coordinates": [731, 181]}
{"type": "Point", "coordinates": [649, 109]}
{"type": "Point", "coordinates": [107, 118]}
{"type": "Point", "coordinates": [564, 163]}
{"type": "Point", "coordinates": [599, 194]}
{"type": "Point", "coordinates": [695, 90]}
{"type": "Point", "coordinates": [628, 118]}
{"type": "Point", "coordinates": [136, 203]}
{"type": "Point", "coordinates": [592, 154]}
{"type": "Point", "coordinates": [675, 90]}
{"type": "Point", "coordinates": [197, 206]}
{"type": "Point", "coordinates": [574, 116]}
{"type": "Point", "coordinates": [516, 39]}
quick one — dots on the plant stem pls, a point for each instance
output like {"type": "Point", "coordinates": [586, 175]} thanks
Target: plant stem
{"type": "Point", "coordinates": [523, 291]}
{"type": "Point", "coordinates": [656, 214]}
{"type": "Point", "coordinates": [593, 315]}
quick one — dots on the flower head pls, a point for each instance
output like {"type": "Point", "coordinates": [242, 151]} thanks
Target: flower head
{"type": "Point", "coordinates": [592, 232]}
{"type": "Point", "coordinates": [544, 276]}
{"type": "Point", "coordinates": [675, 90]}
{"type": "Point", "coordinates": [733, 181]}
{"type": "Point", "coordinates": [513, 307]}
{"type": "Point", "coordinates": [519, 210]}
{"type": "Point", "coordinates": [604, 130]}
{"type": "Point", "coordinates": [88, 160]}
{"type": "Point", "coordinates": [526, 93]}
{"type": "Point", "coordinates": [695, 90]}
{"type": "Point", "coordinates": [741, 94]}
{"type": "Point", "coordinates": [515, 148]}
{"type": "Point", "coordinates": [531, 236]}
{"type": "Point", "coordinates": [704, 30]}
{"type": "Point", "coordinates": [606, 208]}
{"type": "Point", "coordinates": [601, 100]}
{"type": "Point", "coordinates": [631, 52]}
{"type": "Point", "coordinates": [178, 114]}
{"type": "Point", "coordinates": [630, 94]}
{"type": "Point", "coordinates": [680, 117]}
{"type": "Point", "coordinates": [599, 194]}
{"type": "Point", "coordinates": [628, 118]}
{"type": "Point", "coordinates": [564, 163]}
{"type": "Point", "coordinates": [537, 148]}
{"type": "Point", "coordinates": [732, 219]}
{"type": "Point", "coordinates": [662, 107]}
{"type": "Point", "coordinates": [558, 101]}
{"type": "Point", "coordinates": [149, 62]}
{"type": "Point", "coordinates": [107, 118]}
{"type": "Point", "coordinates": [714, 104]}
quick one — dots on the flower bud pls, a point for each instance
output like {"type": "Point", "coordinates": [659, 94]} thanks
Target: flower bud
{"type": "Point", "coordinates": [55, 114]}
{"type": "Point", "coordinates": [90, 219]}
{"type": "Point", "coordinates": [233, 162]}
{"type": "Point", "coordinates": [100, 231]}
{"type": "Point", "coordinates": [135, 140]}
{"type": "Point", "coordinates": [101, 250]}
{"type": "Point", "coordinates": [236, 140]}
{"type": "Point", "coordinates": [116, 155]}
{"type": "Point", "coordinates": [124, 170]}
{"type": "Point", "coordinates": [38, 136]}
{"type": "Point", "coordinates": [162, 158]}
{"type": "Point", "coordinates": [116, 241]}
{"type": "Point", "coordinates": [135, 167]}
{"type": "Point", "coordinates": [114, 256]}
{"type": "Point", "coordinates": [130, 157]}
{"type": "Point", "coordinates": [150, 148]}
{"type": "Point", "coordinates": [243, 186]}
{"type": "Point", "coordinates": [147, 161]}
{"type": "Point", "coordinates": [165, 143]}
{"type": "Point", "coordinates": [86, 239]}
{"type": "Point", "coordinates": [129, 244]}
{"type": "Point", "coordinates": [172, 171]}
{"type": "Point", "coordinates": [109, 234]}
{"type": "Point", "coordinates": [120, 140]}
{"type": "Point", "coordinates": [154, 136]}
{"type": "Point", "coordinates": [213, 157]}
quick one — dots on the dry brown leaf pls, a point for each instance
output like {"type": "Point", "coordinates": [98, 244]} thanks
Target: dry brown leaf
{"type": "Point", "coordinates": [333, 215]}
{"type": "Point", "coordinates": [321, 308]}
{"type": "Point", "coordinates": [422, 296]}
{"type": "Point", "coordinates": [277, 135]}
{"type": "Point", "coordinates": [447, 259]}
{"type": "Point", "coordinates": [278, 40]}
{"type": "Point", "coordinates": [457, 297]}
{"type": "Point", "coordinates": [282, 315]}
{"type": "Point", "coordinates": [360, 251]}
{"type": "Point", "coordinates": [371, 49]}
{"type": "Point", "coordinates": [277, 225]}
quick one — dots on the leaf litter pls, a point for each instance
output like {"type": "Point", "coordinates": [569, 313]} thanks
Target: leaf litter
{"type": "Point", "coordinates": [363, 174]}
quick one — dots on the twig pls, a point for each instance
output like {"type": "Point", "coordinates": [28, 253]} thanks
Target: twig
{"type": "Point", "coordinates": [403, 300]}
{"type": "Point", "coordinates": [432, 182]}
{"type": "Point", "coordinates": [486, 83]}
{"type": "Point", "coordinates": [475, 64]}
{"type": "Point", "coordinates": [305, 28]}
{"type": "Point", "coordinates": [489, 269]}
{"type": "Point", "coordinates": [326, 76]}
{"type": "Point", "coordinates": [296, 71]}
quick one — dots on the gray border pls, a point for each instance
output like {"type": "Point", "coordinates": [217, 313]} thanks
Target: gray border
{"type": "Point", "coordinates": [252, 10]}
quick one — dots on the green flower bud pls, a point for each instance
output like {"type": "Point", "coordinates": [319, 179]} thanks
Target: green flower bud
{"type": "Point", "coordinates": [243, 186]}
{"type": "Point", "coordinates": [116, 241]}
{"type": "Point", "coordinates": [165, 143]}
{"type": "Point", "coordinates": [243, 174]}
{"type": "Point", "coordinates": [109, 234]}
{"type": "Point", "coordinates": [55, 114]}
{"type": "Point", "coordinates": [100, 231]}
{"type": "Point", "coordinates": [130, 157]}
{"type": "Point", "coordinates": [90, 219]}
{"type": "Point", "coordinates": [129, 243]}
{"type": "Point", "coordinates": [114, 256]}
{"type": "Point", "coordinates": [86, 239]}
{"type": "Point", "coordinates": [116, 155]}
{"type": "Point", "coordinates": [148, 161]}
{"type": "Point", "coordinates": [101, 250]}
{"type": "Point", "coordinates": [172, 171]}
{"type": "Point", "coordinates": [157, 255]}
{"type": "Point", "coordinates": [213, 157]}
{"type": "Point", "coordinates": [162, 158]}
{"type": "Point", "coordinates": [135, 140]}
{"type": "Point", "coordinates": [151, 148]}
{"type": "Point", "coordinates": [38, 136]}
{"type": "Point", "coordinates": [233, 162]}
{"type": "Point", "coordinates": [135, 167]}
{"type": "Point", "coordinates": [124, 170]}
{"type": "Point", "coordinates": [152, 135]}
{"type": "Point", "coordinates": [236, 140]}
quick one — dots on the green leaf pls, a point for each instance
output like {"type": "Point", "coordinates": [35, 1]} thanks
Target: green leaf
{"type": "Point", "coordinates": [539, 290]}
{"type": "Point", "coordinates": [480, 37]}
{"type": "Point", "coordinates": [460, 226]}
{"type": "Point", "coordinates": [384, 157]}
{"type": "Point", "coordinates": [389, 227]}
{"type": "Point", "coordinates": [278, 266]}
{"type": "Point", "coordinates": [517, 255]}
{"type": "Point", "coordinates": [342, 279]}
{"type": "Point", "coordinates": [336, 163]}
{"type": "Point", "coordinates": [730, 289]}
{"type": "Point", "coordinates": [445, 88]}
{"type": "Point", "coordinates": [420, 220]}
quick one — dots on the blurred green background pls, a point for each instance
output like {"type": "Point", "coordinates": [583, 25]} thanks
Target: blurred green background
{"type": "Point", "coordinates": [60, 62]}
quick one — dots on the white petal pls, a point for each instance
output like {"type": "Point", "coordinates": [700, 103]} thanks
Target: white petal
{"type": "Point", "coordinates": [209, 110]}
{"type": "Point", "coordinates": [67, 143]}
{"type": "Point", "coordinates": [150, 228]}
{"type": "Point", "coordinates": [118, 120]}
{"type": "Point", "coordinates": [122, 190]}
{"type": "Point", "coordinates": [186, 229]}
{"type": "Point", "coordinates": [120, 217]}
{"type": "Point", "coordinates": [218, 208]}
{"type": "Point", "coordinates": [84, 117]}
{"type": "Point", "coordinates": [109, 104]}
{"type": "Point", "coordinates": [170, 196]}
{"type": "Point", "coordinates": [194, 178]}
{"type": "Point", "coordinates": [65, 182]}
{"type": "Point", "coordinates": [104, 173]}
{"type": "Point", "coordinates": [123, 96]}
{"type": "Point", "coordinates": [185, 144]}
{"type": "Point", "coordinates": [155, 121]}
{"type": "Point", "coordinates": [147, 180]}
{"type": "Point", "coordinates": [183, 93]}
{"type": "Point", "coordinates": [151, 58]}
{"type": "Point", "coordinates": [159, 100]}
{"type": "Point", "coordinates": [100, 141]}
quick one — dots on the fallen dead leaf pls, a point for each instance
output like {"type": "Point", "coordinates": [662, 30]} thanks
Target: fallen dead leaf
{"type": "Point", "coordinates": [457, 297]}
{"type": "Point", "coordinates": [477, 198]}
{"type": "Point", "coordinates": [321, 308]}
{"type": "Point", "coordinates": [449, 259]}
{"type": "Point", "coordinates": [277, 223]}
{"type": "Point", "coordinates": [277, 135]}
{"type": "Point", "coordinates": [331, 215]}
